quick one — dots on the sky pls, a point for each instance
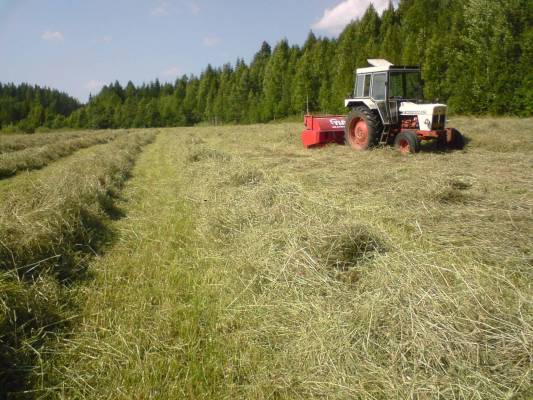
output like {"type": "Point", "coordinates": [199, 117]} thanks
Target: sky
{"type": "Point", "coordinates": [77, 46]}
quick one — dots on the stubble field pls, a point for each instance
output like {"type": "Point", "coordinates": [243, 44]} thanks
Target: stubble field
{"type": "Point", "coordinates": [229, 262]}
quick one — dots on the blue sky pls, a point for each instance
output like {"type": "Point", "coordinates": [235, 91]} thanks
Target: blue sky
{"type": "Point", "coordinates": [78, 45]}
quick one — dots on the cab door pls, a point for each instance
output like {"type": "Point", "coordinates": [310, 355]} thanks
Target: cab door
{"type": "Point", "coordinates": [379, 96]}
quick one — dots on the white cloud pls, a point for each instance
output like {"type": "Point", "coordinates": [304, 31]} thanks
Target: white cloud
{"type": "Point", "coordinates": [94, 84]}
{"type": "Point", "coordinates": [210, 41]}
{"type": "Point", "coordinates": [161, 10]}
{"type": "Point", "coordinates": [52, 35]}
{"type": "Point", "coordinates": [195, 8]}
{"type": "Point", "coordinates": [171, 72]}
{"type": "Point", "coordinates": [335, 19]}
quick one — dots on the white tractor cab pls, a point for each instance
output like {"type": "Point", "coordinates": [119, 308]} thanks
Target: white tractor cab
{"type": "Point", "coordinates": [387, 107]}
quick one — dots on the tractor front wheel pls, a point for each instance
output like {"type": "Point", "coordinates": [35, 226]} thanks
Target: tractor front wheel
{"type": "Point", "coordinates": [407, 142]}
{"type": "Point", "coordinates": [363, 129]}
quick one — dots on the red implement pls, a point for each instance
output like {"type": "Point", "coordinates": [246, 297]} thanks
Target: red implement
{"type": "Point", "coordinates": [323, 129]}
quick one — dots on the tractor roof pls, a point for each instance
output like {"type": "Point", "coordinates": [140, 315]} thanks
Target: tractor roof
{"type": "Point", "coordinates": [381, 65]}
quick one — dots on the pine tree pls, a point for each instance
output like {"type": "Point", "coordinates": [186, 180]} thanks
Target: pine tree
{"type": "Point", "coordinates": [238, 93]}
{"type": "Point", "coordinates": [258, 67]}
{"type": "Point", "coordinates": [36, 117]}
{"type": "Point", "coordinates": [522, 100]}
{"type": "Point", "coordinates": [306, 83]}
{"type": "Point", "coordinates": [484, 69]}
{"type": "Point", "coordinates": [206, 93]}
{"type": "Point", "coordinates": [274, 102]}
{"type": "Point", "coordinates": [152, 116]}
{"type": "Point", "coordinates": [345, 65]}
{"type": "Point", "coordinates": [190, 110]}
{"type": "Point", "coordinates": [390, 36]}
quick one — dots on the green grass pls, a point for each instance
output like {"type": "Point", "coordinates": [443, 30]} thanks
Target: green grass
{"type": "Point", "coordinates": [51, 223]}
{"type": "Point", "coordinates": [164, 331]}
{"type": "Point", "coordinates": [248, 267]}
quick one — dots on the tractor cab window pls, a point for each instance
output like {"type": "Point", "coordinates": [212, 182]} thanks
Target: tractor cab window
{"type": "Point", "coordinates": [362, 87]}
{"type": "Point", "coordinates": [405, 85]}
{"type": "Point", "coordinates": [367, 85]}
{"type": "Point", "coordinates": [378, 86]}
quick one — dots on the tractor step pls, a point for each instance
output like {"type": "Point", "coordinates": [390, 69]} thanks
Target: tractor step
{"type": "Point", "coordinates": [384, 139]}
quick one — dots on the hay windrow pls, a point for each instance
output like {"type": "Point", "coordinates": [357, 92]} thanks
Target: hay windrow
{"type": "Point", "coordinates": [57, 211]}
{"type": "Point", "coordinates": [50, 228]}
{"type": "Point", "coordinates": [38, 157]}
{"type": "Point", "coordinates": [17, 142]}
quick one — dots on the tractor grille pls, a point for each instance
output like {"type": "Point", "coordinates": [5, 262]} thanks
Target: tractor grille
{"type": "Point", "coordinates": [439, 121]}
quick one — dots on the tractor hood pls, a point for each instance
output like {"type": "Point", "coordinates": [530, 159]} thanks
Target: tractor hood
{"type": "Point", "coordinates": [409, 108]}
{"type": "Point", "coordinates": [425, 113]}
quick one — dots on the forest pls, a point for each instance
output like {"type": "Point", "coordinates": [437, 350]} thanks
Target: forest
{"type": "Point", "coordinates": [25, 107]}
{"type": "Point", "coordinates": [476, 56]}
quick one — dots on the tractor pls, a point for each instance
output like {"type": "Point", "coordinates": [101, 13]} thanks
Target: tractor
{"type": "Point", "coordinates": [386, 108]}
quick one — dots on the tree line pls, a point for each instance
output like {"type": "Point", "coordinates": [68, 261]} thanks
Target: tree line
{"type": "Point", "coordinates": [476, 56]}
{"type": "Point", "coordinates": [25, 107]}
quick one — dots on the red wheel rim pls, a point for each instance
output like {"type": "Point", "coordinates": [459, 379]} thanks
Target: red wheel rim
{"type": "Point", "coordinates": [359, 134]}
{"type": "Point", "coordinates": [404, 146]}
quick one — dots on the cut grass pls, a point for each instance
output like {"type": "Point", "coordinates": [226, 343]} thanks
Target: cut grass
{"type": "Point", "coordinates": [31, 314]}
{"type": "Point", "coordinates": [16, 142]}
{"type": "Point", "coordinates": [502, 135]}
{"type": "Point", "coordinates": [371, 275]}
{"type": "Point", "coordinates": [51, 224]}
{"type": "Point", "coordinates": [49, 216]}
{"type": "Point", "coordinates": [157, 338]}
{"type": "Point", "coordinates": [249, 267]}
{"type": "Point", "coordinates": [39, 157]}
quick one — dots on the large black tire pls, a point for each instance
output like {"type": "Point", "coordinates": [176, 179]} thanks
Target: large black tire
{"type": "Point", "coordinates": [458, 140]}
{"type": "Point", "coordinates": [363, 128]}
{"type": "Point", "coordinates": [407, 142]}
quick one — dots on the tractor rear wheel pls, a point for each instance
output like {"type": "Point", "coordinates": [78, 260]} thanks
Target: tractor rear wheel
{"type": "Point", "coordinates": [363, 129]}
{"type": "Point", "coordinates": [407, 142]}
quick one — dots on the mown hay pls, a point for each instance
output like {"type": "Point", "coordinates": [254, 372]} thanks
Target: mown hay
{"type": "Point", "coordinates": [335, 275]}
{"type": "Point", "coordinates": [17, 142]}
{"type": "Point", "coordinates": [349, 246]}
{"type": "Point", "coordinates": [30, 312]}
{"type": "Point", "coordinates": [369, 275]}
{"type": "Point", "coordinates": [39, 157]}
{"type": "Point", "coordinates": [204, 153]}
{"type": "Point", "coordinates": [49, 228]}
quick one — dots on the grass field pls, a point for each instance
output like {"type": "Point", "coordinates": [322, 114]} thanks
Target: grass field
{"type": "Point", "coordinates": [38, 157]}
{"type": "Point", "coordinates": [229, 262]}
{"type": "Point", "coordinates": [16, 142]}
